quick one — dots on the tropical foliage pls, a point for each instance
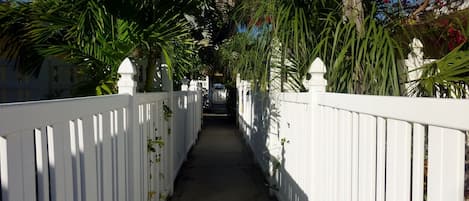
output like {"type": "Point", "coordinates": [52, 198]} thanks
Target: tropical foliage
{"type": "Point", "coordinates": [300, 31]}
{"type": "Point", "coordinates": [360, 63]}
{"type": "Point", "coordinates": [447, 77]}
{"type": "Point", "coordinates": [280, 34]}
{"type": "Point", "coordinates": [444, 38]}
{"type": "Point", "coordinates": [248, 57]}
{"type": "Point", "coordinates": [15, 42]}
{"type": "Point", "coordinates": [97, 36]}
{"type": "Point", "coordinates": [280, 41]}
{"type": "Point", "coordinates": [284, 36]}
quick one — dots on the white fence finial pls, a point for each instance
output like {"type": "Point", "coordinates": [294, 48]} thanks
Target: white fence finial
{"type": "Point", "coordinates": [185, 84]}
{"type": "Point", "coordinates": [416, 46]}
{"type": "Point", "coordinates": [413, 62]}
{"type": "Point", "coordinates": [316, 82]}
{"type": "Point", "coordinates": [126, 83]}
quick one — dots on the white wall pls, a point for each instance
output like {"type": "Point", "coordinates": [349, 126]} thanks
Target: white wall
{"type": "Point", "coordinates": [55, 80]}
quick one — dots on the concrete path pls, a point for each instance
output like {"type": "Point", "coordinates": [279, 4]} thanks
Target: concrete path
{"type": "Point", "coordinates": [220, 167]}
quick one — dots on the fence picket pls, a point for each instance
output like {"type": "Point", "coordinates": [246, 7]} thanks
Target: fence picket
{"type": "Point", "coordinates": [66, 148]}
{"type": "Point", "coordinates": [42, 162]}
{"type": "Point", "coordinates": [159, 133]}
{"type": "Point", "coordinates": [21, 167]}
{"type": "Point", "coordinates": [381, 159]}
{"type": "Point", "coordinates": [76, 169]}
{"type": "Point", "coordinates": [4, 168]}
{"type": "Point", "coordinates": [445, 164]}
{"type": "Point", "coordinates": [105, 134]}
{"type": "Point", "coordinates": [88, 150]}
{"type": "Point", "coordinates": [398, 161]}
{"type": "Point", "coordinates": [418, 159]}
{"type": "Point", "coordinates": [345, 162]}
{"type": "Point", "coordinates": [55, 139]}
{"type": "Point", "coordinates": [355, 154]}
{"type": "Point", "coordinates": [367, 158]}
{"type": "Point", "coordinates": [15, 164]}
{"type": "Point", "coordinates": [121, 154]}
{"type": "Point", "coordinates": [98, 143]}
{"type": "Point", "coordinates": [114, 148]}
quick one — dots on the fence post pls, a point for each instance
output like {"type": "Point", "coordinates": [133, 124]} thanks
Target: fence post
{"type": "Point", "coordinates": [316, 85]}
{"type": "Point", "coordinates": [185, 84]}
{"type": "Point", "coordinates": [188, 132]}
{"type": "Point", "coordinates": [413, 62]}
{"type": "Point", "coordinates": [196, 107]}
{"type": "Point", "coordinates": [168, 87]}
{"type": "Point", "coordinates": [127, 85]}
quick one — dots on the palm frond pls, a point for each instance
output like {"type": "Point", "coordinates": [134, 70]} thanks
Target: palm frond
{"type": "Point", "coordinates": [360, 64]}
{"type": "Point", "coordinates": [447, 77]}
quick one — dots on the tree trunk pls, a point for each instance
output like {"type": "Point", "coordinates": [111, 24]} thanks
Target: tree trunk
{"type": "Point", "coordinates": [151, 69]}
{"type": "Point", "coordinates": [353, 11]}
{"type": "Point", "coordinates": [420, 9]}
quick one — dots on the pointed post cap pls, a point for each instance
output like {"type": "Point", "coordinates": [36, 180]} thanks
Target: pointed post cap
{"type": "Point", "coordinates": [416, 43]}
{"type": "Point", "coordinates": [126, 83]}
{"type": "Point", "coordinates": [126, 67]}
{"type": "Point", "coordinates": [316, 81]}
{"type": "Point", "coordinates": [416, 48]}
{"type": "Point", "coordinates": [317, 66]}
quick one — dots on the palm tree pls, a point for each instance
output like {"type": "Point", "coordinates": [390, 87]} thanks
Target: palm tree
{"type": "Point", "coordinates": [361, 62]}
{"type": "Point", "coordinates": [360, 58]}
{"type": "Point", "coordinates": [447, 77]}
{"type": "Point", "coordinates": [94, 37]}
{"type": "Point", "coordinates": [165, 31]}
{"type": "Point", "coordinates": [15, 43]}
{"type": "Point", "coordinates": [291, 30]}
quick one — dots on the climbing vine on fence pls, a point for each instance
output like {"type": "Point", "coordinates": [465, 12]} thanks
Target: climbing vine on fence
{"type": "Point", "coordinates": [168, 113]}
{"type": "Point", "coordinates": [153, 144]}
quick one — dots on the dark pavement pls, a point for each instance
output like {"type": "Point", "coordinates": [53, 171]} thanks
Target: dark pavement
{"type": "Point", "coordinates": [220, 167]}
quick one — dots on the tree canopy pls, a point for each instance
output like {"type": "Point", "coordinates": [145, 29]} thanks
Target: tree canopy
{"type": "Point", "coordinates": [97, 35]}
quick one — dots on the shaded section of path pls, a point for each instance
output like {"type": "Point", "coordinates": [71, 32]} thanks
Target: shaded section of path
{"type": "Point", "coordinates": [220, 167]}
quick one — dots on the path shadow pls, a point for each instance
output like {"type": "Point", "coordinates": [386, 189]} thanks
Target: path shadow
{"type": "Point", "coordinates": [220, 167]}
{"type": "Point", "coordinates": [262, 136]}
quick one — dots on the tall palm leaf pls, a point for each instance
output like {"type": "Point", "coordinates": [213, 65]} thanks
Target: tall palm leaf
{"type": "Point", "coordinates": [87, 36]}
{"type": "Point", "coordinates": [295, 26]}
{"type": "Point", "coordinates": [362, 64]}
{"type": "Point", "coordinates": [447, 77]}
{"type": "Point", "coordinates": [90, 35]}
{"type": "Point", "coordinates": [15, 42]}
{"type": "Point", "coordinates": [165, 30]}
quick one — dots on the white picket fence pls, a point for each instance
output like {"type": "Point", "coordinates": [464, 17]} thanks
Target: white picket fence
{"type": "Point", "coordinates": [321, 146]}
{"type": "Point", "coordinates": [95, 149]}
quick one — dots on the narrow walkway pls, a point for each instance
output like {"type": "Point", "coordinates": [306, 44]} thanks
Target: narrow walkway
{"type": "Point", "coordinates": [220, 167]}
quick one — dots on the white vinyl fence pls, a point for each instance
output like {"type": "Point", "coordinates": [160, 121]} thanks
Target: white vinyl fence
{"type": "Point", "coordinates": [321, 146]}
{"type": "Point", "coordinates": [96, 149]}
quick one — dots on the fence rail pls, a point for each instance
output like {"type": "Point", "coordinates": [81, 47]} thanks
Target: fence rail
{"type": "Point", "coordinates": [96, 148]}
{"type": "Point", "coordinates": [324, 146]}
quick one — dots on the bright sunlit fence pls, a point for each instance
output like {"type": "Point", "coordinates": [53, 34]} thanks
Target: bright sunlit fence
{"type": "Point", "coordinates": [117, 147]}
{"type": "Point", "coordinates": [324, 146]}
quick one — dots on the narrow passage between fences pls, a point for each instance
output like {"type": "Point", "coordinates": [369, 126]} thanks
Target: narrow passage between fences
{"type": "Point", "coordinates": [220, 167]}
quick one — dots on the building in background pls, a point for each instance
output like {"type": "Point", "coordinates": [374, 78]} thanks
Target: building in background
{"type": "Point", "coordinates": [55, 80]}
